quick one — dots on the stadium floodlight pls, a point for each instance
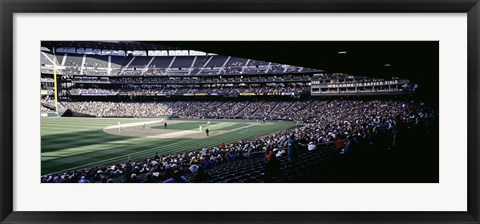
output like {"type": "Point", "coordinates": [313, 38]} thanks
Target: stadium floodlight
{"type": "Point", "coordinates": [342, 52]}
{"type": "Point", "coordinates": [387, 65]}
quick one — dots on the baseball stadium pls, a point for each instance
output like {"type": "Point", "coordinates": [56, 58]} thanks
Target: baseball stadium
{"type": "Point", "coordinates": [239, 112]}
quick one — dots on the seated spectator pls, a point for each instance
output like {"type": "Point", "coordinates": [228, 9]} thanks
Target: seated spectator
{"type": "Point", "coordinates": [176, 178]}
{"type": "Point", "coordinates": [201, 176]}
{"type": "Point", "coordinates": [281, 152]}
{"type": "Point", "coordinates": [232, 156]}
{"type": "Point", "coordinates": [83, 180]}
{"type": "Point", "coordinates": [194, 168]}
{"type": "Point", "coordinates": [272, 168]}
{"type": "Point", "coordinates": [340, 144]}
{"type": "Point", "coordinates": [209, 164]}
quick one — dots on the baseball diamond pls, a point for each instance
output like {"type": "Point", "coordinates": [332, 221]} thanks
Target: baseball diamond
{"type": "Point", "coordinates": [96, 141]}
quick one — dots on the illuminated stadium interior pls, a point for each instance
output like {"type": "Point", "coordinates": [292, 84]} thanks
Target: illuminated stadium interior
{"type": "Point", "coordinates": [276, 112]}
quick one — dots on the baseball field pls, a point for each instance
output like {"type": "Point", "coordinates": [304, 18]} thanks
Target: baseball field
{"type": "Point", "coordinates": [75, 143]}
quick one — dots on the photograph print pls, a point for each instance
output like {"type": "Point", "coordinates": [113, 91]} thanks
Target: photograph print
{"type": "Point", "coordinates": [239, 112]}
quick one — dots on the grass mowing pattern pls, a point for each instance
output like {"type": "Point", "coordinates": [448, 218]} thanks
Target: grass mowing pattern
{"type": "Point", "coordinates": [73, 143]}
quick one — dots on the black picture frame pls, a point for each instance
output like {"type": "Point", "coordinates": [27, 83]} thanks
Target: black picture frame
{"type": "Point", "coordinates": [9, 7]}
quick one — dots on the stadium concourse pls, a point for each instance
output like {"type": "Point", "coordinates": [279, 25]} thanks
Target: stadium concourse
{"type": "Point", "coordinates": [148, 112]}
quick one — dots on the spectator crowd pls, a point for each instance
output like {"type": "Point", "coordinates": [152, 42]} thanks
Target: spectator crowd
{"type": "Point", "coordinates": [346, 124]}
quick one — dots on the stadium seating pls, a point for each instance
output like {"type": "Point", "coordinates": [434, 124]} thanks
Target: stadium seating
{"type": "Point", "coordinates": [96, 61]}
{"type": "Point", "coordinates": [366, 129]}
{"type": "Point", "coordinates": [74, 60]}
{"type": "Point", "coordinates": [221, 87]}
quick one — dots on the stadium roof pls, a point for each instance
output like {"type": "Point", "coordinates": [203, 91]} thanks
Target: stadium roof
{"type": "Point", "coordinates": [110, 45]}
{"type": "Point", "coordinates": [407, 59]}
{"type": "Point", "coordinates": [414, 60]}
{"type": "Point", "coordinates": [381, 59]}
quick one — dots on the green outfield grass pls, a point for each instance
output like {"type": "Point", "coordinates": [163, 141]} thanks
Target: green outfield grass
{"type": "Point", "coordinates": [73, 143]}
